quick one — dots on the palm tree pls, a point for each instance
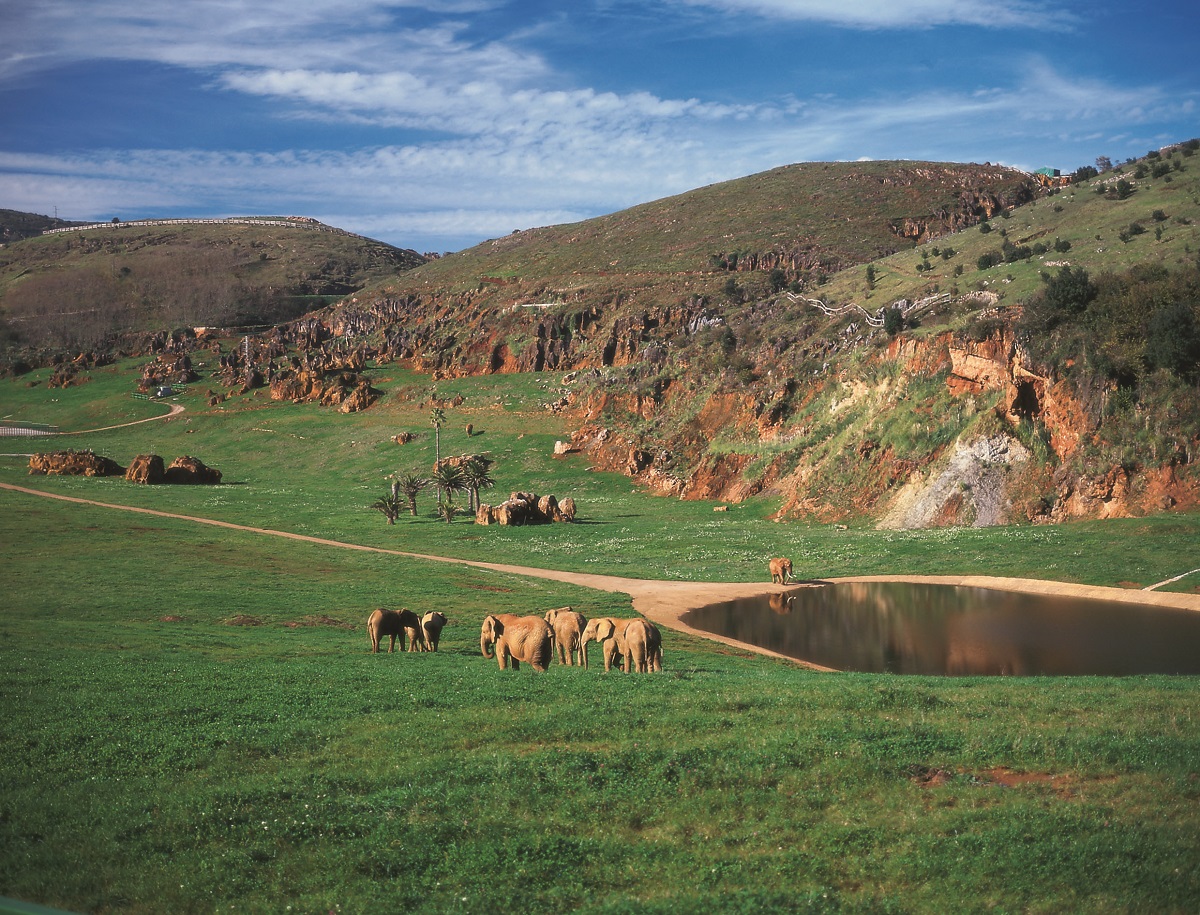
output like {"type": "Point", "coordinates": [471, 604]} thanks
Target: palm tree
{"type": "Point", "coordinates": [389, 505]}
{"type": "Point", "coordinates": [449, 478]}
{"type": "Point", "coordinates": [411, 485]}
{"type": "Point", "coordinates": [447, 510]}
{"type": "Point", "coordinates": [437, 416]}
{"type": "Point", "coordinates": [475, 472]}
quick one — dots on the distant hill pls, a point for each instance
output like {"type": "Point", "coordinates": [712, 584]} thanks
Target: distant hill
{"type": "Point", "coordinates": [15, 225]}
{"type": "Point", "coordinates": [71, 289]}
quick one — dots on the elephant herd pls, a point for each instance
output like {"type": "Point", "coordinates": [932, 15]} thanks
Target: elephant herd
{"type": "Point", "coordinates": [511, 639]}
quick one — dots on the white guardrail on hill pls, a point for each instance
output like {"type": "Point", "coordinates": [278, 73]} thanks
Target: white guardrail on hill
{"type": "Point", "coordinates": [12, 429]}
{"type": "Point", "coordinates": [297, 222]}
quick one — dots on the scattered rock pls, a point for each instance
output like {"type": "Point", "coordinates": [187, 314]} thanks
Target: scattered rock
{"type": "Point", "coordinates": [191, 471]}
{"type": "Point", "coordinates": [74, 463]}
{"type": "Point", "coordinates": [165, 370]}
{"type": "Point", "coordinates": [146, 468]}
{"type": "Point", "coordinates": [527, 508]}
{"type": "Point", "coordinates": [403, 438]}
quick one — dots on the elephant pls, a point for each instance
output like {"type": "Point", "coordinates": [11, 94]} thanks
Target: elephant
{"type": "Point", "coordinates": [396, 624]}
{"type": "Point", "coordinates": [517, 638]}
{"type": "Point", "coordinates": [568, 628]}
{"type": "Point", "coordinates": [643, 647]}
{"type": "Point", "coordinates": [781, 571]}
{"type": "Point", "coordinates": [609, 631]}
{"type": "Point", "coordinates": [781, 602]}
{"type": "Point", "coordinates": [431, 626]}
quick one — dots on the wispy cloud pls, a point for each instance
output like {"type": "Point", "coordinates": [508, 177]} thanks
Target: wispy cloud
{"type": "Point", "coordinates": [899, 14]}
{"type": "Point", "coordinates": [463, 130]}
{"type": "Point", "coordinates": [329, 34]}
{"type": "Point", "coordinates": [533, 158]}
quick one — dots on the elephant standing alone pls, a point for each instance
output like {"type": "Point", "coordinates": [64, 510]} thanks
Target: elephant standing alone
{"type": "Point", "coordinates": [781, 571]}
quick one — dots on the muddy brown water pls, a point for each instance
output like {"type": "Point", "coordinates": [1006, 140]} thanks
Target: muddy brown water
{"type": "Point", "coordinates": [891, 627]}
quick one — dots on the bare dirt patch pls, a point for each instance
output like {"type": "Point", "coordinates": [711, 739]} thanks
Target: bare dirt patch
{"type": "Point", "coordinates": [242, 620]}
{"type": "Point", "coordinates": [170, 619]}
{"type": "Point", "coordinates": [321, 620]}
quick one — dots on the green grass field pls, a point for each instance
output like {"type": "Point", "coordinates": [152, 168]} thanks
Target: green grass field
{"type": "Point", "coordinates": [193, 721]}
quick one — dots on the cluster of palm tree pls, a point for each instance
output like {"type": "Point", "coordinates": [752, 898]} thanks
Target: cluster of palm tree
{"type": "Point", "coordinates": [470, 477]}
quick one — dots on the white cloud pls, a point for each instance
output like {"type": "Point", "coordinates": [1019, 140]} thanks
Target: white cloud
{"type": "Point", "coordinates": [330, 34]}
{"type": "Point", "coordinates": [523, 158]}
{"type": "Point", "coordinates": [899, 14]}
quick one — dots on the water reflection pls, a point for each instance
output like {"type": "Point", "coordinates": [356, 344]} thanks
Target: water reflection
{"type": "Point", "coordinates": [939, 629]}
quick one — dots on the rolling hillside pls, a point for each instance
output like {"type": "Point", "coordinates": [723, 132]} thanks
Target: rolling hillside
{"type": "Point", "coordinates": [72, 289]}
{"type": "Point", "coordinates": [918, 344]}
{"type": "Point", "coordinates": [731, 343]}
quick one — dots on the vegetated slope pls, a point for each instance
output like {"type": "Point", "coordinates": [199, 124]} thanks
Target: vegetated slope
{"type": "Point", "coordinates": [810, 219]}
{"type": "Point", "coordinates": [73, 289]}
{"type": "Point", "coordinates": [770, 375]}
{"type": "Point", "coordinates": [15, 225]}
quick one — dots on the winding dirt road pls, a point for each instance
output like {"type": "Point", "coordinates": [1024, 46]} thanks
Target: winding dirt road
{"type": "Point", "coordinates": [666, 602]}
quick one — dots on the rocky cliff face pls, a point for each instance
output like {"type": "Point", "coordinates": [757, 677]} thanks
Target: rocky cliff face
{"type": "Point", "coordinates": [1030, 457]}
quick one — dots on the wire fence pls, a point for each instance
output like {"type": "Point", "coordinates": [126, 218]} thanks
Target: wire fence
{"type": "Point", "coordinates": [9, 429]}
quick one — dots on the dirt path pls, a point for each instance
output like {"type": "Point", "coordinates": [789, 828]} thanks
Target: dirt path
{"type": "Point", "coordinates": [26, 432]}
{"type": "Point", "coordinates": [175, 410]}
{"type": "Point", "coordinates": [666, 602]}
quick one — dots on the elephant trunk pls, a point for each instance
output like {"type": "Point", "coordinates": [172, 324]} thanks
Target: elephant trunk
{"type": "Point", "coordinates": [485, 645]}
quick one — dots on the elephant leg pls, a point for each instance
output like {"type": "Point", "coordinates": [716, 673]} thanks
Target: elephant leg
{"type": "Point", "coordinates": [610, 653]}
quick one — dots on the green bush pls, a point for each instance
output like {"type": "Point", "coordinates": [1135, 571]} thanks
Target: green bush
{"type": "Point", "coordinates": [1173, 340]}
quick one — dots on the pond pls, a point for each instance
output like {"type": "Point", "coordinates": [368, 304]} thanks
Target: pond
{"type": "Point", "coordinates": [888, 627]}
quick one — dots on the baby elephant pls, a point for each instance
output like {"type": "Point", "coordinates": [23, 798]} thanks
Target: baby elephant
{"type": "Point", "coordinates": [432, 623]}
{"type": "Point", "coordinates": [781, 571]}
{"type": "Point", "coordinates": [395, 624]}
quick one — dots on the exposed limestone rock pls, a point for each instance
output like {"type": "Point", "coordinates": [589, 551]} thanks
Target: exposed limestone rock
{"type": "Point", "coordinates": [167, 369]}
{"type": "Point", "coordinates": [66, 375]}
{"type": "Point", "coordinates": [146, 468]}
{"type": "Point", "coordinates": [190, 470]}
{"type": "Point", "coordinates": [527, 508]}
{"type": "Point", "coordinates": [343, 389]}
{"type": "Point", "coordinates": [969, 491]}
{"type": "Point", "coordinates": [74, 463]}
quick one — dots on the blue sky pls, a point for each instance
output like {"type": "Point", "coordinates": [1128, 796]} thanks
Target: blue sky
{"type": "Point", "coordinates": [436, 124]}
